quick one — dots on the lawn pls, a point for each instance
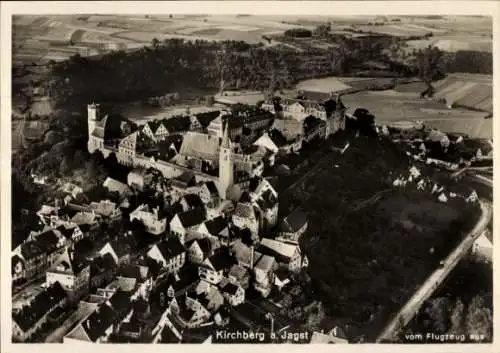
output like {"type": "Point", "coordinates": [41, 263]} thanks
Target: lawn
{"type": "Point", "coordinates": [366, 262]}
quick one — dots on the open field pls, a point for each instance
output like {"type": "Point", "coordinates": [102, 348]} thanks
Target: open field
{"type": "Point", "coordinates": [467, 90]}
{"type": "Point", "coordinates": [389, 107]}
{"type": "Point", "coordinates": [33, 36]}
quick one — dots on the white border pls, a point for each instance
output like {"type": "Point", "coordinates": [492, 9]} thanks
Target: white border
{"type": "Point", "coordinates": [326, 8]}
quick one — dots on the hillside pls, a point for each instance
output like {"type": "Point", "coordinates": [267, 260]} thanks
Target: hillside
{"type": "Point", "coordinates": [369, 244]}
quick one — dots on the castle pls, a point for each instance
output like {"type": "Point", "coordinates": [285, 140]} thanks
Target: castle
{"type": "Point", "coordinates": [228, 185]}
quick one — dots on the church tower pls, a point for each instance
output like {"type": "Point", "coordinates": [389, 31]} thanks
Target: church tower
{"type": "Point", "coordinates": [93, 111]}
{"type": "Point", "coordinates": [226, 163]}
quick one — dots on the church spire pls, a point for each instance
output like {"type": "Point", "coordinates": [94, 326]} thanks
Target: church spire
{"type": "Point", "coordinates": [226, 142]}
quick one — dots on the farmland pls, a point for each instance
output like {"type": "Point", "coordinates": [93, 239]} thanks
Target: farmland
{"type": "Point", "coordinates": [389, 106]}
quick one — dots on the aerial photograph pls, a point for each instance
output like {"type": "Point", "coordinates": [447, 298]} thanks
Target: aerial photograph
{"type": "Point", "coordinates": [220, 179]}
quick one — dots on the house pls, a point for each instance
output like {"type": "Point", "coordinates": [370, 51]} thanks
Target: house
{"type": "Point", "coordinates": [198, 250]}
{"type": "Point", "coordinates": [209, 194]}
{"type": "Point", "coordinates": [113, 185]}
{"type": "Point", "coordinates": [482, 248]}
{"type": "Point", "coordinates": [29, 319]}
{"type": "Point", "coordinates": [71, 231]}
{"type": "Point", "coordinates": [72, 274]}
{"type": "Point", "coordinates": [119, 250]}
{"type": "Point", "coordinates": [265, 198]}
{"type": "Point", "coordinates": [136, 279]}
{"type": "Point", "coordinates": [233, 293]}
{"type": "Point", "coordinates": [169, 253]}
{"type": "Point", "coordinates": [284, 145]}
{"type": "Point", "coordinates": [191, 313]}
{"type": "Point", "coordinates": [39, 254]}
{"type": "Point", "coordinates": [177, 284]}
{"type": "Point", "coordinates": [106, 209]}
{"type": "Point", "coordinates": [85, 218]}
{"type": "Point", "coordinates": [281, 278]}
{"type": "Point", "coordinates": [239, 275]}
{"type": "Point", "coordinates": [266, 142]}
{"type": "Point", "coordinates": [139, 178]}
{"type": "Point", "coordinates": [217, 230]}
{"type": "Point", "coordinates": [191, 201]}
{"type": "Point", "coordinates": [102, 270]}
{"type": "Point", "coordinates": [71, 189]}
{"type": "Point", "coordinates": [212, 269]}
{"type": "Point", "coordinates": [263, 269]}
{"type": "Point", "coordinates": [154, 219]}
{"type": "Point", "coordinates": [245, 216]}
{"type": "Point", "coordinates": [288, 255]}
{"type": "Point", "coordinates": [182, 184]}
{"type": "Point", "coordinates": [292, 227]}
{"type": "Point", "coordinates": [96, 328]}
{"type": "Point", "coordinates": [206, 295]}
{"type": "Point", "coordinates": [185, 221]}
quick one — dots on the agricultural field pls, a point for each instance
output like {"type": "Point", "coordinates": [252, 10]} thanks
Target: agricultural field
{"type": "Point", "coordinates": [342, 84]}
{"type": "Point", "coordinates": [391, 106]}
{"type": "Point", "coordinates": [468, 90]}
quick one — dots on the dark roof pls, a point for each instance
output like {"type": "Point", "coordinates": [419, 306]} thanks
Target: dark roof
{"type": "Point", "coordinates": [278, 138]}
{"type": "Point", "coordinates": [120, 301]}
{"type": "Point", "coordinates": [44, 243]}
{"type": "Point", "coordinates": [206, 118]}
{"type": "Point", "coordinates": [100, 320]}
{"type": "Point", "coordinates": [192, 217]}
{"type": "Point", "coordinates": [315, 96]}
{"type": "Point", "coordinates": [168, 336]}
{"type": "Point", "coordinates": [38, 307]}
{"type": "Point", "coordinates": [267, 200]}
{"type": "Point", "coordinates": [131, 271]}
{"type": "Point", "coordinates": [216, 225]}
{"type": "Point", "coordinates": [294, 221]}
{"type": "Point", "coordinates": [67, 232]}
{"type": "Point", "coordinates": [204, 244]}
{"type": "Point", "coordinates": [102, 264]}
{"type": "Point", "coordinates": [184, 180]}
{"type": "Point", "coordinates": [230, 288]}
{"type": "Point", "coordinates": [221, 260]}
{"type": "Point", "coordinates": [177, 124]}
{"type": "Point", "coordinates": [246, 118]}
{"type": "Point", "coordinates": [122, 247]}
{"type": "Point", "coordinates": [212, 188]}
{"type": "Point", "coordinates": [245, 197]}
{"type": "Point", "coordinates": [170, 248]}
{"type": "Point", "coordinates": [193, 200]}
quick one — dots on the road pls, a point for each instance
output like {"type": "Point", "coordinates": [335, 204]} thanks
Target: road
{"type": "Point", "coordinates": [436, 278]}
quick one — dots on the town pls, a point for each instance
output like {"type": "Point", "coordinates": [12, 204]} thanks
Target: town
{"type": "Point", "coordinates": [281, 213]}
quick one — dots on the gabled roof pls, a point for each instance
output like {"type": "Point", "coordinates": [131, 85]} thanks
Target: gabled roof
{"type": "Point", "coordinates": [216, 225]}
{"type": "Point", "coordinates": [193, 200]}
{"type": "Point", "coordinates": [170, 248]}
{"type": "Point", "coordinates": [177, 124]}
{"type": "Point", "coordinates": [277, 138]}
{"type": "Point", "coordinates": [212, 188]}
{"type": "Point", "coordinates": [281, 251]}
{"type": "Point", "coordinates": [206, 118]}
{"type": "Point", "coordinates": [102, 264]}
{"type": "Point", "coordinates": [184, 180]}
{"type": "Point", "coordinates": [43, 244]}
{"type": "Point", "coordinates": [98, 322]}
{"type": "Point", "coordinates": [263, 262]}
{"type": "Point", "coordinates": [67, 263]}
{"type": "Point", "coordinates": [27, 317]}
{"type": "Point", "coordinates": [221, 260]}
{"type": "Point", "coordinates": [192, 217]}
{"type": "Point", "coordinates": [228, 287]}
{"type": "Point", "coordinates": [294, 221]}
{"type": "Point", "coordinates": [114, 185]}
{"type": "Point", "coordinates": [133, 271]}
{"type": "Point", "coordinates": [200, 145]}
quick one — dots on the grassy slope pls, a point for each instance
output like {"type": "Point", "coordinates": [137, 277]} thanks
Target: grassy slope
{"type": "Point", "coordinates": [368, 260]}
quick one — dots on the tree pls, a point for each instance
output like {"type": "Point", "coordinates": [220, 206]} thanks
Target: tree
{"type": "Point", "coordinates": [457, 318]}
{"type": "Point", "coordinates": [479, 318]}
{"type": "Point", "coordinates": [155, 43]}
{"type": "Point", "coordinates": [322, 30]}
{"type": "Point", "coordinates": [315, 317]}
